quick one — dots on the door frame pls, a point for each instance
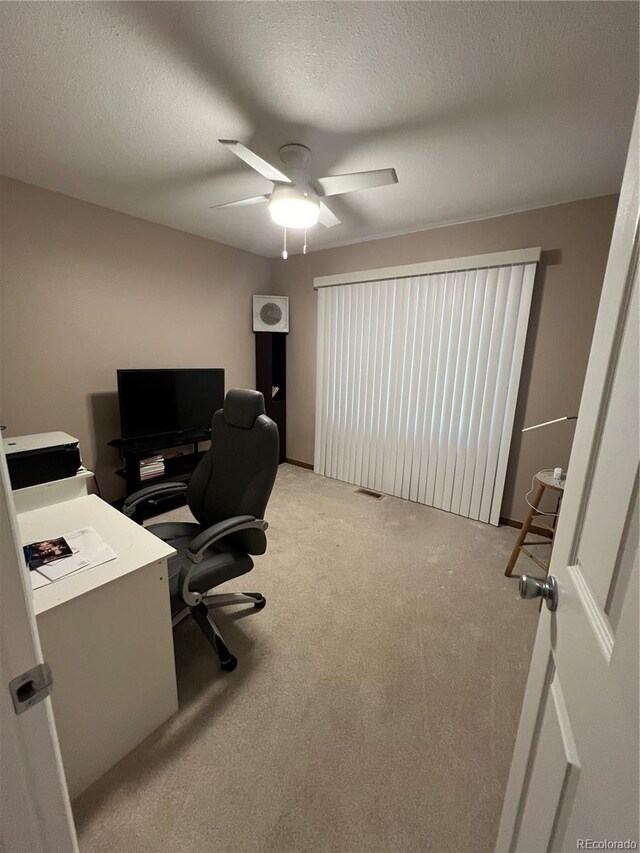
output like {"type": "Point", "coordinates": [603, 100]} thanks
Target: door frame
{"type": "Point", "coordinates": [35, 810]}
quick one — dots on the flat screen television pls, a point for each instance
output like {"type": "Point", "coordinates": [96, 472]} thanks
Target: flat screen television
{"type": "Point", "coordinates": [161, 402]}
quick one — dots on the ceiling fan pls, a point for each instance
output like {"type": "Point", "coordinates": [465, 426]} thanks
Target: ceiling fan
{"type": "Point", "coordinates": [296, 200]}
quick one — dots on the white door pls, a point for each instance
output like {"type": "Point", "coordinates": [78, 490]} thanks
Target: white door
{"type": "Point", "coordinates": [574, 776]}
{"type": "Point", "coordinates": [35, 815]}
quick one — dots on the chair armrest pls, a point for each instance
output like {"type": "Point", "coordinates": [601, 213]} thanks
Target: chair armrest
{"type": "Point", "coordinates": [202, 541]}
{"type": "Point", "coordinates": [150, 492]}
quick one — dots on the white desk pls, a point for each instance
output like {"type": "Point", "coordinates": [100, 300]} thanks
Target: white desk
{"type": "Point", "coordinates": [106, 633]}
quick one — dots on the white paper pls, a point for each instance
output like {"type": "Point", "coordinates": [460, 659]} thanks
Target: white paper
{"type": "Point", "coordinates": [37, 580]}
{"type": "Point", "coordinates": [89, 550]}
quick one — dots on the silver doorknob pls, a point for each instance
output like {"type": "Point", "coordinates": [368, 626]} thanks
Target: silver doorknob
{"type": "Point", "coordinates": [534, 588]}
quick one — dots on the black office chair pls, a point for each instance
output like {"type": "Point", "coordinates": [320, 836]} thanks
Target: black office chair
{"type": "Point", "coordinates": [227, 494]}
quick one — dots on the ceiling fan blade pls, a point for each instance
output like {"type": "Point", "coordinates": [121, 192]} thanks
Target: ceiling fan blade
{"type": "Point", "coordinates": [256, 199]}
{"type": "Point", "coordinates": [338, 184]}
{"type": "Point", "coordinates": [265, 169]}
{"type": "Point", "coordinates": [327, 217]}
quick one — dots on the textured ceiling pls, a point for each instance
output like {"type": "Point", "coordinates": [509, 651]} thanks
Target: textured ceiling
{"type": "Point", "coordinates": [482, 107]}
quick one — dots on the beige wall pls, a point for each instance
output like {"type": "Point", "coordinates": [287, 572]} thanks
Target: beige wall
{"type": "Point", "coordinates": [86, 290]}
{"type": "Point", "coordinates": [575, 238]}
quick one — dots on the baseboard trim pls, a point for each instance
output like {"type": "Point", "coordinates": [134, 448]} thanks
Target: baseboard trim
{"type": "Point", "coordinates": [538, 531]}
{"type": "Point", "coordinates": [306, 465]}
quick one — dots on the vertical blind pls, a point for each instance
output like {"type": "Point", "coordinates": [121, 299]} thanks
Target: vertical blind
{"type": "Point", "coordinates": [417, 379]}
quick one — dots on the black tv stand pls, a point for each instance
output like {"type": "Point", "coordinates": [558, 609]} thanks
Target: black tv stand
{"type": "Point", "coordinates": [179, 467]}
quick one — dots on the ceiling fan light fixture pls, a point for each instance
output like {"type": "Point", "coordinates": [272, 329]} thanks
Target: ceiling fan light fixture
{"type": "Point", "coordinates": [292, 209]}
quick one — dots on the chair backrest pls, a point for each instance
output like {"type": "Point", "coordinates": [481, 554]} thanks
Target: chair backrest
{"type": "Point", "coordinates": [237, 474]}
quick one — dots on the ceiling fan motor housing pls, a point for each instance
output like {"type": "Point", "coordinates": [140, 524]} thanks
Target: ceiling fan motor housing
{"type": "Point", "coordinates": [295, 155]}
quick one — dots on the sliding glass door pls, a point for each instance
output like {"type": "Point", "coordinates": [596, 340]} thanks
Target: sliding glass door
{"type": "Point", "coordinates": [417, 379]}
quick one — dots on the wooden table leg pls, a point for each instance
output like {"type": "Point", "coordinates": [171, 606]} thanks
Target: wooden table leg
{"type": "Point", "coordinates": [537, 496]}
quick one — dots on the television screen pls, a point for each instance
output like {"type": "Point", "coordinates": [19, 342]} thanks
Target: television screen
{"type": "Point", "coordinates": [157, 402]}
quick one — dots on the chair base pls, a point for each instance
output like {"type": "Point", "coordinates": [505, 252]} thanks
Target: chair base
{"type": "Point", "coordinates": [201, 615]}
{"type": "Point", "coordinates": [220, 599]}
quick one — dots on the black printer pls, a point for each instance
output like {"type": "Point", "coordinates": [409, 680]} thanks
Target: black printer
{"type": "Point", "coordinates": [41, 458]}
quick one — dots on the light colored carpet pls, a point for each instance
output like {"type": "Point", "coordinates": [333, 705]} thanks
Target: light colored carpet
{"type": "Point", "coordinates": [374, 707]}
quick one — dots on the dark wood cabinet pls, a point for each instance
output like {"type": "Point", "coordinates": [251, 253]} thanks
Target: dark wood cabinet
{"type": "Point", "coordinates": [271, 380]}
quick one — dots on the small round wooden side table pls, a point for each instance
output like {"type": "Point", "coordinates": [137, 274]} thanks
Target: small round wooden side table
{"type": "Point", "coordinates": [543, 480]}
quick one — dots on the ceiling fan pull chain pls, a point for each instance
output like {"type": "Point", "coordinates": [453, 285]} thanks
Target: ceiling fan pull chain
{"type": "Point", "coordinates": [285, 254]}
{"type": "Point", "coordinates": [304, 247]}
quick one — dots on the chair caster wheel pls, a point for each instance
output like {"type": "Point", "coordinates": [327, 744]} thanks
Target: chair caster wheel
{"type": "Point", "coordinates": [260, 603]}
{"type": "Point", "coordinates": [230, 664]}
